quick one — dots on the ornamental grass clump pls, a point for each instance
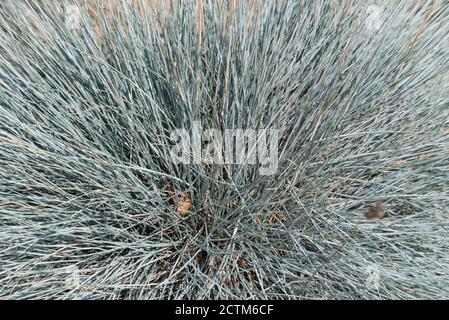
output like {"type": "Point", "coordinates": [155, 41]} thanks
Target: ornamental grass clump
{"type": "Point", "coordinates": [93, 205]}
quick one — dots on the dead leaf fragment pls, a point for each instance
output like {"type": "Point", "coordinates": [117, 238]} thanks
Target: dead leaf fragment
{"type": "Point", "coordinates": [375, 212]}
{"type": "Point", "coordinates": [180, 200]}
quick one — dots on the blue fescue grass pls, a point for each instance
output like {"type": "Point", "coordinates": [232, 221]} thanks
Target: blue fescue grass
{"type": "Point", "coordinates": [86, 172]}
